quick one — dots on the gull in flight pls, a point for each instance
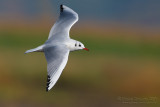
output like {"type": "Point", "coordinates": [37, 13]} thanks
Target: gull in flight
{"type": "Point", "coordinates": [59, 44]}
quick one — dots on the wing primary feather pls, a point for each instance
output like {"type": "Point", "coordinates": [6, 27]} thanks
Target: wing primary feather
{"type": "Point", "coordinates": [48, 82]}
{"type": "Point", "coordinates": [61, 8]}
{"type": "Point", "coordinates": [56, 63]}
{"type": "Point", "coordinates": [66, 20]}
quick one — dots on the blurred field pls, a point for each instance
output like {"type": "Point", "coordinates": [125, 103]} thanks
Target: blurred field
{"type": "Point", "coordinates": [120, 63]}
{"type": "Point", "coordinates": [122, 68]}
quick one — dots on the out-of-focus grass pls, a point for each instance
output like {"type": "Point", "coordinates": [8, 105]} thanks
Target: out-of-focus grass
{"type": "Point", "coordinates": [20, 39]}
{"type": "Point", "coordinates": [113, 67]}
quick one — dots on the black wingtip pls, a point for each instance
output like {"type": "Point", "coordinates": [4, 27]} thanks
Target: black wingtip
{"type": "Point", "coordinates": [61, 8]}
{"type": "Point", "coordinates": [48, 82]}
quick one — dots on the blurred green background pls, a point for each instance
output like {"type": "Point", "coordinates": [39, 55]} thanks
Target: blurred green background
{"type": "Point", "coordinates": [122, 67]}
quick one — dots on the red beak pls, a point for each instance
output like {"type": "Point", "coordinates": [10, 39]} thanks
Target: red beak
{"type": "Point", "coordinates": [86, 49]}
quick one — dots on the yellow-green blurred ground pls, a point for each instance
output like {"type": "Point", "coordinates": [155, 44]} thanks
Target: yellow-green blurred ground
{"type": "Point", "coordinates": [119, 64]}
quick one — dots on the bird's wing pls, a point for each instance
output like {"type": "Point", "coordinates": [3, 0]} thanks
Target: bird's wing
{"type": "Point", "coordinates": [57, 58]}
{"type": "Point", "coordinates": [61, 28]}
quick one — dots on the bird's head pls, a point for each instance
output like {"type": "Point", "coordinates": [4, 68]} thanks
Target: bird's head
{"type": "Point", "coordinates": [80, 46]}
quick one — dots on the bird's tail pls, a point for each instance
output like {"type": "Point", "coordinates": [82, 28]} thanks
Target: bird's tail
{"type": "Point", "coordinates": [38, 49]}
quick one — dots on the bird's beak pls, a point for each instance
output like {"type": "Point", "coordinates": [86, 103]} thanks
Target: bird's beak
{"type": "Point", "coordinates": [86, 49]}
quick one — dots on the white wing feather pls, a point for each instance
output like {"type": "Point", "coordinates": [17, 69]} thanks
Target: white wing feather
{"type": "Point", "coordinates": [57, 58]}
{"type": "Point", "coordinates": [66, 20]}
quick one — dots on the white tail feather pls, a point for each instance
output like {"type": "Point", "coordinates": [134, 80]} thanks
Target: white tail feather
{"type": "Point", "coordinates": [38, 49]}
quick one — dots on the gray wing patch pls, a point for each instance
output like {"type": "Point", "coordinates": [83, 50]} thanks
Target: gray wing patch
{"type": "Point", "coordinates": [61, 28]}
{"type": "Point", "coordinates": [57, 58]}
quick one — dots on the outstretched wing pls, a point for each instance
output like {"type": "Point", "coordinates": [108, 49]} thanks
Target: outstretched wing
{"type": "Point", "coordinates": [57, 58]}
{"type": "Point", "coordinates": [63, 25]}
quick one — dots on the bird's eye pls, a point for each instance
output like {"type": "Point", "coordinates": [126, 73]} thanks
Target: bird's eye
{"type": "Point", "coordinates": [79, 45]}
{"type": "Point", "coordinates": [75, 44]}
